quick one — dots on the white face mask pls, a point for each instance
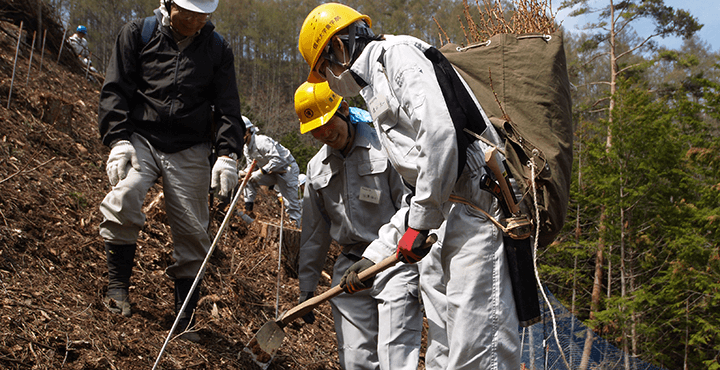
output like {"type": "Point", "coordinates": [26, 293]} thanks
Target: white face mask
{"type": "Point", "coordinates": [344, 85]}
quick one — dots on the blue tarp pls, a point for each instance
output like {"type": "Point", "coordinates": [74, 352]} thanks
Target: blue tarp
{"type": "Point", "coordinates": [540, 350]}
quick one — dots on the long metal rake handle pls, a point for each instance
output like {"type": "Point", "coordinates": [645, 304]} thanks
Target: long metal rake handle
{"type": "Point", "coordinates": [207, 259]}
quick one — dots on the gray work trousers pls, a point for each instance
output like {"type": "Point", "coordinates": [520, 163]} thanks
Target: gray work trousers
{"type": "Point", "coordinates": [379, 328]}
{"type": "Point", "coordinates": [465, 286]}
{"type": "Point", "coordinates": [186, 182]}
{"type": "Point", "coordinates": [287, 183]}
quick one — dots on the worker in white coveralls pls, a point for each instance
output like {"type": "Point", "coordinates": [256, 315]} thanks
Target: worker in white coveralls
{"type": "Point", "coordinates": [352, 190]}
{"type": "Point", "coordinates": [276, 166]}
{"type": "Point", "coordinates": [466, 287]}
{"type": "Point", "coordinates": [301, 189]}
{"type": "Point", "coordinates": [79, 43]}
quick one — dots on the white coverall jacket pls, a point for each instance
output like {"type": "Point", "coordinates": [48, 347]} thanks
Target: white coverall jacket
{"type": "Point", "coordinates": [348, 200]}
{"type": "Point", "coordinates": [466, 285]}
{"type": "Point", "coordinates": [82, 50]}
{"type": "Point", "coordinates": [280, 168]}
{"type": "Point", "coordinates": [79, 45]}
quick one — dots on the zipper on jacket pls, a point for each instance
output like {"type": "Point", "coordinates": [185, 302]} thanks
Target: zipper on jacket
{"type": "Point", "coordinates": [175, 83]}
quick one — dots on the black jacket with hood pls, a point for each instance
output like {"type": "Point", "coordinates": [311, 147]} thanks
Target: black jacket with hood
{"type": "Point", "coordinates": [165, 95]}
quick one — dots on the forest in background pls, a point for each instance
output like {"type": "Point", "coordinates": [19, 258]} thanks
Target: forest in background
{"type": "Point", "coordinates": [639, 259]}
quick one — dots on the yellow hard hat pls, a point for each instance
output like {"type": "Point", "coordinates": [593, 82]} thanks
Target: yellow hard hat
{"type": "Point", "coordinates": [319, 26]}
{"type": "Point", "coordinates": [315, 105]}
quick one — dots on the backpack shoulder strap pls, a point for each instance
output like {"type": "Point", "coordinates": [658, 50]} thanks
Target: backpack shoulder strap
{"type": "Point", "coordinates": [217, 46]}
{"type": "Point", "coordinates": [148, 29]}
{"type": "Point", "coordinates": [463, 111]}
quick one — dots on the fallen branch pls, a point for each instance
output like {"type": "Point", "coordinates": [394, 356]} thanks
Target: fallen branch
{"type": "Point", "coordinates": [23, 170]}
{"type": "Point", "coordinates": [3, 358]}
{"type": "Point", "coordinates": [34, 342]}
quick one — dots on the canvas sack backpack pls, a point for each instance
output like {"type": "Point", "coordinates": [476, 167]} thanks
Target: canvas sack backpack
{"type": "Point", "coordinates": [527, 75]}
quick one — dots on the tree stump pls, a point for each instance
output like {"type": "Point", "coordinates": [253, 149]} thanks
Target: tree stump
{"type": "Point", "coordinates": [57, 112]}
{"type": "Point", "coordinates": [270, 232]}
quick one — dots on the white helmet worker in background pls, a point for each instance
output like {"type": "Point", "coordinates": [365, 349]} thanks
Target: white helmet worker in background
{"type": "Point", "coordinates": [466, 286]}
{"type": "Point", "coordinates": [275, 166]}
{"type": "Point", "coordinates": [249, 127]}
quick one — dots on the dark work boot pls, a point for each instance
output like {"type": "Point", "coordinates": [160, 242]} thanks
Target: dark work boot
{"type": "Point", "coordinates": [120, 262]}
{"type": "Point", "coordinates": [186, 322]}
{"type": "Point", "coordinates": [249, 209]}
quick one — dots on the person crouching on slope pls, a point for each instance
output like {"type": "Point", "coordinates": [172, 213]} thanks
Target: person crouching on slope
{"type": "Point", "coordinates": [275, 166]}
{"type": "Point", "coordinates": [351, 192]}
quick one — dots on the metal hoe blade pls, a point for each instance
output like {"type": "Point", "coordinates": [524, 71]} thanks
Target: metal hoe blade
{"type": "Point", "coordinates": [269, 338]}
{"type": "Point", "coordinates": [267, 341]}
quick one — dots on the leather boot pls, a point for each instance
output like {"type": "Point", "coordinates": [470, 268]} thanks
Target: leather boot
{"type": "Point", "coordinates": [186, 322]}
{"type": "Point", "coordinates": [120, 260]}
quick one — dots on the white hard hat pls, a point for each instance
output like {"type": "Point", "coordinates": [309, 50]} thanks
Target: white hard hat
{"type": "Point", "coordinates": [197, 6]}
{"type": "Point", "coordinates": [301, 179]}
{"type": "Point", "coordinates": [249, 126]}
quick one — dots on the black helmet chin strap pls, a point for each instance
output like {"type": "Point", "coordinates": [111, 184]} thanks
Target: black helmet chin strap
{"type": "Point", "coordinates": [358, 36]}
{"type": "Point", "coordinates": [351, 45]}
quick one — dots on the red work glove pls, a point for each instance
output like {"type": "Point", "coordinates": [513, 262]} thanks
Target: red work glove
{"type": "Point", "coordinates": [411, 248]}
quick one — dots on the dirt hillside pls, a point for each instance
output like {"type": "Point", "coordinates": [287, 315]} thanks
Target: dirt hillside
{"type": "Point", "coordinates": [52, 262]}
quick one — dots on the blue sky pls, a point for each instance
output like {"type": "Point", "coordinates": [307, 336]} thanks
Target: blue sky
{"type": "Point", "coordinates": [707, 12]}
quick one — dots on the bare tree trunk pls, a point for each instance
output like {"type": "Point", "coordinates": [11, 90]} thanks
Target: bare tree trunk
{"type": "Point", "coordinates": [532, 349]}
{"type": "Point", "coordinates": [597, 286]}
{"type": "Point", "coordinates": [608, 257]}
{"type": "Point", "coordinates": [578, 232]}
{"type": "Point", "coordinates": [687, 333]}
{"type": "Point", "coordinates": [613, 74]}
{"type": "Point", "coordinates": [39, 18]}
{"type": "Point", "coordinates": [623, 283]}
{"type": "Point", "coordinates": [595, 302]}
{"type": "Point", "coordinates": [634, 315]}
{"type": "Point", "coordinates": [613, 89]}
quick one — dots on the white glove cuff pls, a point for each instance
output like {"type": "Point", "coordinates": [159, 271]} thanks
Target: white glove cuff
{"type": "Point", "coordinates": [226, 163]}
{"type": "Point", "coordinates": [120, 143]}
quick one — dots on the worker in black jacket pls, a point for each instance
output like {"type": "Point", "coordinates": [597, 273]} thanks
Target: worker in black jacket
{"type": "Point", "coordinates": [165, 76]}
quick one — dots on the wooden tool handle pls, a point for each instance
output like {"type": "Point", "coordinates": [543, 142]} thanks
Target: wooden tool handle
{"type": "Point", "coordinates": [492, 162]}
{"type": "Point", "coordinates": [307, 306]}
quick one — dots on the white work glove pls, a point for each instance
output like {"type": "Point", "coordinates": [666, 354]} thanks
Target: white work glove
{"type": "Point", "coordinates": [256, 175]}
{"type": "Point", "coordinates": [242, 174]}
{"type": "Point", "coordinates": [224, 176]}
{"type": "Point", "coordinates": [122, 154]}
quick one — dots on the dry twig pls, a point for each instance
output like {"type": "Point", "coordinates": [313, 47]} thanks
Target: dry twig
{"type": "Point", "coordinates": [525, 16]}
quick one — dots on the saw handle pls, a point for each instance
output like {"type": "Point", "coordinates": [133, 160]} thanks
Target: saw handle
{"type": "Point", "coordinates": [307, 306]}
